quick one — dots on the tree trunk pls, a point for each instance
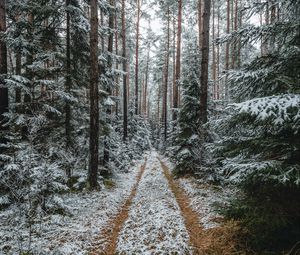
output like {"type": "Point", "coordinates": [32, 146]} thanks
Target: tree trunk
{"type": "Point", "coordinates": [227, 49]}
{"type": "Point", "coordinates": [166, 79]}
{"type": "Point", "coordinates": [204, 63]}
{"type": "Point", "coordinates": [125, 107]}
{"type": "Point", "coordinates": [94, 98]}
{"type": "Point", "coordinates": [174, 63]}
{"type": "Point", "coordinates": [178, 62]}
{"type": "Point", "coordinates": [18, 69]}
{"type": "Point", "coordinates": [235, 27]}
{"type": "Point", "coordinates": [29, 96]}
{"type": "Point", "coordinates": [213, 67]}
{"type": "Point", "coordinates": [68, 83]}
{"type": "Point", "coordinates": [3, 71]}
{"type": "Point", "coordinates": [146, 81]}
{"type": "Point", "coordinates": [137, 57]}
{"type": "Point", "coordinates": [264, 44]}
{"type": "Point", "coordinates": [218, 53]}
{"type": "Point", "coordinates": [117, 90]}
{"type": "Point", "coordinates": [200, 12]}
{"type": "Point", "coordinates": [106, 149]}
{"type": "Point", "coordinates": [18, 72]}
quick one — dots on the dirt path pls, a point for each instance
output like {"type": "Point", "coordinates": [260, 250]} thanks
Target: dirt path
{"type": "Point", "coordinates": [191, 218]}
{"type": "Point", "coordinates": [110, 235]}
{"type": "Point", "coordinates": [156, 219]}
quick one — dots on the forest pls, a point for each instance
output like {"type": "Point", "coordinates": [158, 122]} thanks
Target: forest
{"type": "Point", "coordinates": [149, 127]}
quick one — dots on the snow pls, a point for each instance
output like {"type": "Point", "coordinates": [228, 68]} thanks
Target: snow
{"type": "Point", "coordinates": [155, 224]}
{"type": "Point", "coordinates": [277, 108]}
{"type": "Point", "coordinates": [205, 198]}
{"type": "Point", "coordinates": [87, 214]}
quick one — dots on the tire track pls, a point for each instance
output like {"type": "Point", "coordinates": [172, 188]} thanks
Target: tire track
{"type": "Point", "coordinates": [110, 235]}
{"type": "Point", "coordinates": [191, 218]}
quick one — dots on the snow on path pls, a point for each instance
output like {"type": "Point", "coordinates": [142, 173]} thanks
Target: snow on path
{"type": "Point", "coordinates": [75, 233]}
{"type": "Point", "coordinates": [155, 224]}
{"type": "Point", "coordinates": [204, 198]}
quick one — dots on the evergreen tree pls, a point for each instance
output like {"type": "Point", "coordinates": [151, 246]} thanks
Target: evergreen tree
{"type": "Point", "coordinates": [260, 134]}
{"type": "Point", "coordinates": [187, 150]}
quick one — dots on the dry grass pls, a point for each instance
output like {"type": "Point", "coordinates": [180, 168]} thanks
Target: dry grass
{"type": "Point", "coordinates": [111, 235]}
{"type": "Point", "coordinates": [216, 241]}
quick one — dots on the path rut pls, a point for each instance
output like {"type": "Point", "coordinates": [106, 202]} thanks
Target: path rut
{"type": "Point", "coordinates": [156, 218]}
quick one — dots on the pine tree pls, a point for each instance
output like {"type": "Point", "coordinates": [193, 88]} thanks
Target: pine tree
{"type": "Point", "coordinates": [94, 98]}
{"type": "Point", "coordinates": [260, 134]}
{"type": "Point", "coordinates": [187, 145]}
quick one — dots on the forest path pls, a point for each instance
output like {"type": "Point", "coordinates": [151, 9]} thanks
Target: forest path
{"type": "Point", "coordinates": [156, 218]}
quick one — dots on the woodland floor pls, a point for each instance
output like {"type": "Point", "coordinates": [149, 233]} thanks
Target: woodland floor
{"type": "Point", "coordinates": [162, 216]}
{"type": "Point", "coordinates": [146, 212]}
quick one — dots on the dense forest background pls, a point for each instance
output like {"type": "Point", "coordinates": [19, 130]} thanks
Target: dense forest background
{"type": "Point", "coordinates": [87, 87]}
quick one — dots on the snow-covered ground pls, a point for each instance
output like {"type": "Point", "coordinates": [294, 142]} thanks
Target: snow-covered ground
{"type": "Point", "coordinates": [155, 224]}
{"type": "Point", "coordinates": [204, 198]}
{"type": "Point", "coordinates": [88, 214]}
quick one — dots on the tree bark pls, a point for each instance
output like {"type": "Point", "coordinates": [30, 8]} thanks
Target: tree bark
{"type": "Point", "coordinates": [178, 61]}
{"type": "Point", "coordinates": [204, 63]}
{"type": "Point", "coordinates": [68, 83]}
{"type": "Point", "coordinates": [235, 27]}
{"type": "Point", "coordinates": [111, 19]}
{"type": "Point", "coordinates": [3, 71]}
{"type": "Point", "coordinates": [125, 107]}
{"type": "Point", "coordinates": [166, 79]}
{"type": "Point", "coordinates": [214, 68]}
{"type": "Point", "coordinates": [18, 72]}
{"type": "Point", "coordinates": [200, 12]}
{"type": "Point", "coordinates": [218, 53]}
{"type": "Point", "coordinates": [117, 90]}
{"type": "Point", "coordinates": [174, 62]}
{"type": "Point", "coordinates": [94, 98]}
{"type": "Point", "coordinates": [29, 96]}
{"type": "Point", "coordinates": [227, 49]}
{"type": "Point", "coordinates": [137, 57]}
{"type": "Point", "coordinates": [146, 81]}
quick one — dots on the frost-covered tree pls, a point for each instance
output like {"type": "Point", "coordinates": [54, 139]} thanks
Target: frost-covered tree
{"type": "Point", "coordinates": [259, 134]}
{"type": "Point", "coordinates": [187, 149]}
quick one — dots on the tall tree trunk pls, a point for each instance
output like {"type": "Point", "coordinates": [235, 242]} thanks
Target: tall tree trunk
{"type": "Point", "coordinates": [218, 53]}
{"type": "Point", "coordinates": [204, 62]}
{"type": "Point", "coordinates": [166, 79]}
{"type": "Point", "coordinates": [227, 49]}
{"type": "Point", "coordinates": [239, 43]}
{"type": "Point", "coordinates": [111, 19]}
{"type": "Point", "coordinates": [146, 81]}
{"type": "Point", "coordinates": [18, 68]}
{"type": "Point", "coordinates": [29, 96]}
{"type": "Point", "coordinates": [102, 34]}
{"type": "Point", "coordinates": [178, 61]}
{"type": "Point", "coordinates": [117, 90]}
{"type": "Point", "coordinates": [174, 62]}
{"type": "Point", "coordinates": [200, 12]}
{"type": "Point", "coordinates": [137, 57]}
{"type": "Point", "coordinates": [214, 67]}
{"type": "Point", "coordinates": [141, 91]}
{"type": "Point", "coordinates": [18, 72]}
{"type": "Point", "coordinates": [3, 71]}
{"type": "Point", "coordinates": [235, 27]}
{"type": "Point", "coordinates": [264, 44]}
{"type": "Point", "coordinates": [94, 98]}
{"type": "Point", "coordinates": [68, 83]}
{"type": "Point", "coordinates": [125, 107]}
